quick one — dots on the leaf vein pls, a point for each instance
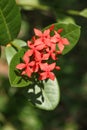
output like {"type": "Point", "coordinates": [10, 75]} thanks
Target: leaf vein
{"type": "Point", "coordinates": [6, 26]}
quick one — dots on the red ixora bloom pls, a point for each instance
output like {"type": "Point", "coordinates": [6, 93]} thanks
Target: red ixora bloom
{"type": "Point", "coordinates": [42, 51]}
{"type": "Point", "coordinates": [47, 71]}
{"type": "Point", "coordinates": [27, 66]}
{"type": "Point", "coordinates": [59, 40]}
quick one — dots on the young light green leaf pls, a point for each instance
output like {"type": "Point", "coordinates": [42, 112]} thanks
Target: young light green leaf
{"type": "Point", "coordinates": [15, 78]}
{"type": "Point", "coordinates": [10, 21]}
{"type": "Point", "coordinates": [17, 43]}
{"type": "Point", "coordinates": [64, 18]}
{"type": "Point", "coordinates": [10, 51]}
{"type": "Point", "coordinates": [12, 48]}
{"type": "Point", "coordinates": [83, 13]}
{"type": "Point", "coordinates": [31, 4]}
{"type": "Point", "coordinates": [50, 94]}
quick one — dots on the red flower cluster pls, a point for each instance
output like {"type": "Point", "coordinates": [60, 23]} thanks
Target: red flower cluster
{"type": "Point", "coordinates": [42, 50]}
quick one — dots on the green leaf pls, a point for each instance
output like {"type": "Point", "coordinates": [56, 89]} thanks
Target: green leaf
{"type": "Point", "coordinates": [71, 32]}
{"type": "Point", "coordinates": [10, 51]}
{"type": "Point", "coordinates": [67, 19]}
{"type": "Point", "coordinates": [46, 98]}
{"type": "Point", "coordinates": [12, 48]}
{"type": "Point", "coordinates": [10, 21]}
{"type": "Point", "coordinates": [51, 95]}
{"type": "Point", "coordinates": [31, 4]}
{"type": "Point", "coordinates": [18, 44]}
{"type": "Point", "coordinates": [64, 18]}
{"type": "Point", "coordinates": [15, 78]}
{"type": "Point", "coordinates": [83, 13]}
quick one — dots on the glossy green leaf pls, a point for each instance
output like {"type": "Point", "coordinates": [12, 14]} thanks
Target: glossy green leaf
{"type": "Point", "coordinates": [16, 80]}
{"type": "Point", "coordinates": [71, 32]}
{"type": "Point", "coordinates": [10, 21]}
{"type": "Point", "coordinates": [46, 98]}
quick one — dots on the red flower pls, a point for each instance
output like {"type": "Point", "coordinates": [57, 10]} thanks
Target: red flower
{"type": "Point", "coordinates": [51, 53]}
{"type": "Point", "coordinates": [42, 50]}
{"type": "Point", "coordinates": [59, 40]}
{"type": "Point", "coordinates": [37, 45]}
{"type": "Point", "coordinates": [27, 66]}
{"type": "Point", "coordinates": [38, 60]}
{"type": "Point", "coordinates": [43, 37]}
{"type": "Point", "coordinates": [47, 71]}
{"type": "Point", "coordinates": [34, 50]}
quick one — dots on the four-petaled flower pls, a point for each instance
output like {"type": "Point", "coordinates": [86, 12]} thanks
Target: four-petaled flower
{"type": "Point", "coordinates": [27, 66]}
{"type": "Point", "coordinates": [47, 68]}
{"type": "Point", "coordinates": [60, 40]}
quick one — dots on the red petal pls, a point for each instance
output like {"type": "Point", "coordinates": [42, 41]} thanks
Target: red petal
{"type": "Point", "coordinates": [29, 71]}
{"type": "Point", "coordinates": [47, 41]}
{"type": "Point", "coordinates": [45, 56]}
{"type": "Point", "coordinates": [37, 56]}
{"type": "Point", "coordinates": [29, 43]}
{"type": "Point", "coordinates": [23, 72]}
{"type": "Point", "coordinates": [53, 47]}
{"type": "Point", "coordinates": [57, 67]}
{"type": "Point", "coordinates": [65, 41]}
{"type": "Point", "coordinates": [32, 63]}
{"type": "Point", "coordinates": [28, 54]}
{"type": "Point", "coordinates": [56, 33]}
{"type": "Point", "coordinates": [38, 42]}
{"type": "Point", "coordinates": [40, 47]}
{"type": "Point", "coordinates": [44, 66]}
{"type": "Point", "coordinates": [54, 39]}
{"type": "Point", "coordinates": [51, 75]}
{"type": "Point", "coordinates": [61, 46]}
{"type": "Point", "coordinates": [43, 76]}
{"type": "Point", "coordinates": [25, 59]}
{"type": "Point", "coordinates": [52, 66]}
{"type": "Point", "coordinates": [53, 56]}
{"type": "Point", "coordinates": [47, 32]}
{"type": "Point", "coordinates": [51, 27]}
{"type": "Point", "coordinates": [36, 68]}
{"type": "Point", "coordinates": [21, 66]}
{"type": "Point", "coordinates": [60, 30]}
{"type": "Point", "coordinates": [37, 32]}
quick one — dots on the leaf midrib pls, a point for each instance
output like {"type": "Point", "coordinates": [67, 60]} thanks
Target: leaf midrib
{"type": "Point", "coordinates": [71, 32]}
{"type": "Point", "coordinates": [6, 26]}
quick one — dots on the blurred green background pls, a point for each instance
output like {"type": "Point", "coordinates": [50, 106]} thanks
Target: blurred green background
{"type": "Point", "coordinates": [16, 113]}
